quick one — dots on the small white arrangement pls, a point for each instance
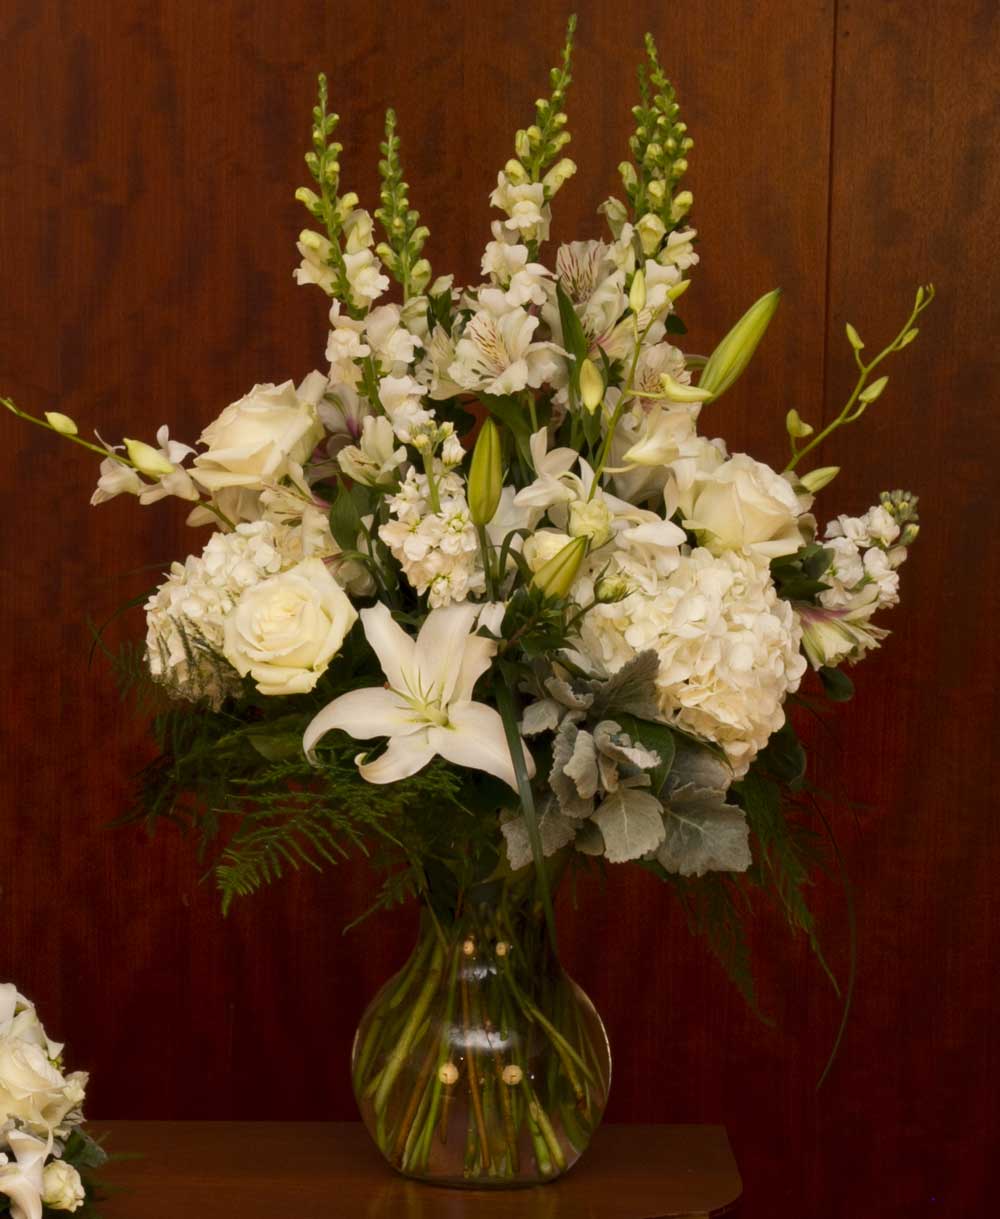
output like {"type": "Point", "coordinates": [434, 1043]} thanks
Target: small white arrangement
{"type": "Point", "coordinates": [44, 1151]}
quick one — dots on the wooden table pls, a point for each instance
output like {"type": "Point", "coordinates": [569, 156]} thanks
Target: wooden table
{"type": "Point", "coordinates": [316, 1170]}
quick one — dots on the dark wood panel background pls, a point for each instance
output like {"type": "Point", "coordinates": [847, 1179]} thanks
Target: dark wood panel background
{"type": "Point", "coordinates": [148, 155]}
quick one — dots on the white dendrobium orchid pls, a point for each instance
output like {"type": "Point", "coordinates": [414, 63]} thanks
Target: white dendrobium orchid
{"type": "Point", "coordinates": [426, 708]}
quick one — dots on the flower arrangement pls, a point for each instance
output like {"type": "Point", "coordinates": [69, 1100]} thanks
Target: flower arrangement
{"type": "Point", "coordinates": [482, 599]}
{"type": "Point", "coordinates": [45, 1155]}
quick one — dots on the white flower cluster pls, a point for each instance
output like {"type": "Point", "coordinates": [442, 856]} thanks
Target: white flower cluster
{"type": "Point", "coordinates": [728, 646]}
{"type": "Point", "coordinates": [40, 1106]}
{"type": "Point", "coordinates": [437, 549]}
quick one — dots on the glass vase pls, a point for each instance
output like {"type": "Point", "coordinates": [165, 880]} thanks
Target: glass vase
{"type": "Point", "coordinates": [481, 1063]}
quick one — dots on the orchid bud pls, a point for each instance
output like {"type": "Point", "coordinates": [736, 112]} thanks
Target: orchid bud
{"type": "Point", "coordinates": [61, 423]}
{"type": "Point", "coordinates": [796, 426]}
{"type": "Point", "coordinates": [816, 480]}
{"type": "Point", "coordinates": [676, 291]}
{"type": "Point", "coordinates": [485, 475]}
{"type": "Point", "coordinates": [637, 292]}
{"type": "Point", "coordinates": [873, 391]}
{"type": "Point", "coordinates": [734, 353]}
{"type": "Point", "coordinates": [591, 385]}
{"type": "Point", "coordinates": [853, 337]}
{"type": "Point", "coordinates": [148, 460]}
{"type": "Point", "coordinates": [556, 577]}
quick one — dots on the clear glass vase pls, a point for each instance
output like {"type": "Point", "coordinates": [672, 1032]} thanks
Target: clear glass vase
{"type": "Point", "coordinates": [481, 1063]}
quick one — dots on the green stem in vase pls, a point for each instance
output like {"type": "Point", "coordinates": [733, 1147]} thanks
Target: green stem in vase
{"type": "Point", "coordinates": [417, 1098]}
{"type": "Point", "coordinates": [402, 1048]}
{"type": "Point", "coordinates": [471, 1064]}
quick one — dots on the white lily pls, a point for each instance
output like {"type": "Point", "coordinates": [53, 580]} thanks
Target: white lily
{"type": "Point", "coordinates": [22, 1180]}
{"type": "Point", "coordinates": [426, 707]}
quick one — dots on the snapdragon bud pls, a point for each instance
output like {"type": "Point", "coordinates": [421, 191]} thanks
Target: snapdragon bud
{"type": "Point", "coordinates": [485, 475]}
{"type": "Point", "coordinates": [559, 175]}
{"type": "Point", "coordinates": [515, 173]}
{"type": "Point", "coordinates": [420, 274]}
{"type": "Point", "coordinates": [657, 190]}
{"type": "Point", "coordinates": [637, 292]}
{"type": "Point", "coordinates": [61, 423]}
{"type": "Point", "coordinates": [682, 204]}
{"type": "Point", "coordinates": [735, 352]}
{"type": "Point", "coordinates": [816, 480]}
{"type": "Point", "coordinates": [628, 175]}
{"type": "Point", "coordinates": [555, 578]}
{"type": "Point", "coordinates": [651, 230]}
{"type": "Point", "coordinates": [147, 460]}
{"type": "Point", "coordinates": [616, 213]}
{"type": "Point", "coordinates": [591, 385]}
{"type": "Point", "coordinates": [522, 145]}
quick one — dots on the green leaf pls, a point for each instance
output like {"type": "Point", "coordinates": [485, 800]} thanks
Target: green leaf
{"type": "Point", "coordinates": [574, 339]}
{"type": "Point", "coordinates": [345, 516]}
{"type": "Point", "coordinates": [655, 736]}
{"type": "Point", "coordinates": [512, 414]}
{"type": "Point", "coordinates": [837, 686]}
{"type": "Point", "coordinates": [784, 758]}
{"type": "Point", "coordinates": [674, 325]}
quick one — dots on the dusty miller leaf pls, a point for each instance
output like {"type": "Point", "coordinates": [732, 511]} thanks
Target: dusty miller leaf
{"type": "Point", "coordinates": [704, 834]}
{"type": "Point", "coordinates": [555, 831]}
{"type": "Point", "coordinates": [631, 823]}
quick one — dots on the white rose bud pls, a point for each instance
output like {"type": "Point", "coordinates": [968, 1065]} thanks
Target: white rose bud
{"type": "Point", "coordinates": [286, 630]}
{"type": "Point", "coordinates": [590, 519]}
{"type": "Point", "coordinates": [62, 1188]}
{"type": "Point", "coordinates": [543, 545]}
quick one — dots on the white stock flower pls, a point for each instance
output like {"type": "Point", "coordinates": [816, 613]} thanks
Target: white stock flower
{"type": "Point", "coordinates": [438, 551]}
{"type": "Point", "coordinates": [285, 631]}
{"type": "Point", "coordinates": [743, 505]}
{"type": "Point", "coordinates": [256, 440]}
{"type": "Point", "coordinates": [376, 460]}
{"type": "Point", "coordinates": [728, 648]}
{"type": "Point", "coordinates": [62, 1188]}
{"type": "Point", "coordinates": [426, 708]}
{"type": "Point", "coordinates": [496, 354]}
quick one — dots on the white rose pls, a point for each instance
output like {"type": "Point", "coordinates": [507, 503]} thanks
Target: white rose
{"type": "Point", "coordinates": [286, 630]}
{"type": "Point", "coordinates": [743, 505]}
{"type": "Point", "coordinates": [32, 1089]}
{"type": "Point", "coordinates": [255, 439]}
{"type": "Point", "coordinates": [62, 1188]}
{"type": "Point", "coordinates": [543, 545]}
{"type": "Point", "coordinates": [21, 1181]}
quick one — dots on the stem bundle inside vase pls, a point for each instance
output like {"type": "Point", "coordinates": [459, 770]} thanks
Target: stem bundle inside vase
{"type": "Point", "coordinates": [481, 1062]}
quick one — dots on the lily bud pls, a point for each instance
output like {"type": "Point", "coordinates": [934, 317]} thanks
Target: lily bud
{"type": "Point", "coordinates": [147, 460]}
{"type": "Point", "coordinates": [485, 475]}
{"type": "Point", "coordinates": [735, 352]}
{"type": "Point", "coordinates": [556, 577]}
{"type": "Point", "coordinates": [637, 293]}
{"type": "Point", "coordinates": [677, 391]}
{"type": "Point", "coordinates": [61, 423]}
{"type": "Point", "coordinates": [816, 480]}
{"type": "Point", "coordinates": [591, 385]}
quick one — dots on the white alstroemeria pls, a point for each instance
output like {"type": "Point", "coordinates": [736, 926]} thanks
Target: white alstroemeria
{"type": "Point", "coordinates": [22, 1181]}
{"type": "Point", "coordinates": [393, 344]}
{"type": "Point", "coordinates": [595, 286]}
{"type": "Point", "coordinates": [426, 709]}
{"type": "Point", "coordinates": [315, 266]}
{"type": "Point", "coordinates": [376, 460]}
{"type": "Point", "coordinates": [402, 400]}
{"type": "Point", "coordinates": [433, 369]}
{"type": "Point", "coordinates": [342, 412]}
{"type": "Point", "coordinates": [496, 353]}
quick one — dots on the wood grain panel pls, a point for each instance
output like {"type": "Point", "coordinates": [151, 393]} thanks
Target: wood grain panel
{"type": "Point", "coordinates": [148, 157]}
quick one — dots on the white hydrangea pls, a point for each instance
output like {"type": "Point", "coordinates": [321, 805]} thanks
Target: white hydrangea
{"type": "Point", "coordinates": [728, 648]}
{"type": "Point", "coordinates": [438, 551]}
{"type": "Point", "coordinates": [185, 617]}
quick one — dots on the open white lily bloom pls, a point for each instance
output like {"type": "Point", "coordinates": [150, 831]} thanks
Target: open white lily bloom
{"type": "Point", "coordinates": [426, 707]}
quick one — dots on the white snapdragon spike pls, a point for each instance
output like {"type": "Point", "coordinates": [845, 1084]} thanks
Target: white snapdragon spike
{"type": "Point", "coordinates": [255, 440]}
{"type": "Point", "coordinates": [315, 267]}
{"type": "Point", "coordinates": [426, 708]}
{"type": "Point", "coordinates": [728, 647]}
{"type": "Point", "coordinates": [394, 346]}
{"type": "Point", "coordinates": [528, 215]}
{"type": "Point", "coordinates": [345, 345]}
{"type": "Point", "coordinates": [365, 278]}
{"type": "Point", "coordinates": [497, 355]}
{"type": "Point", "coordinates": [402, 400]}
{"type": "Point", "coordinates": [376, 461]}
{"type": "Point", "coordinates": [438, 551]}
{"type": "Point", "coordinates": [23, 1180]}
